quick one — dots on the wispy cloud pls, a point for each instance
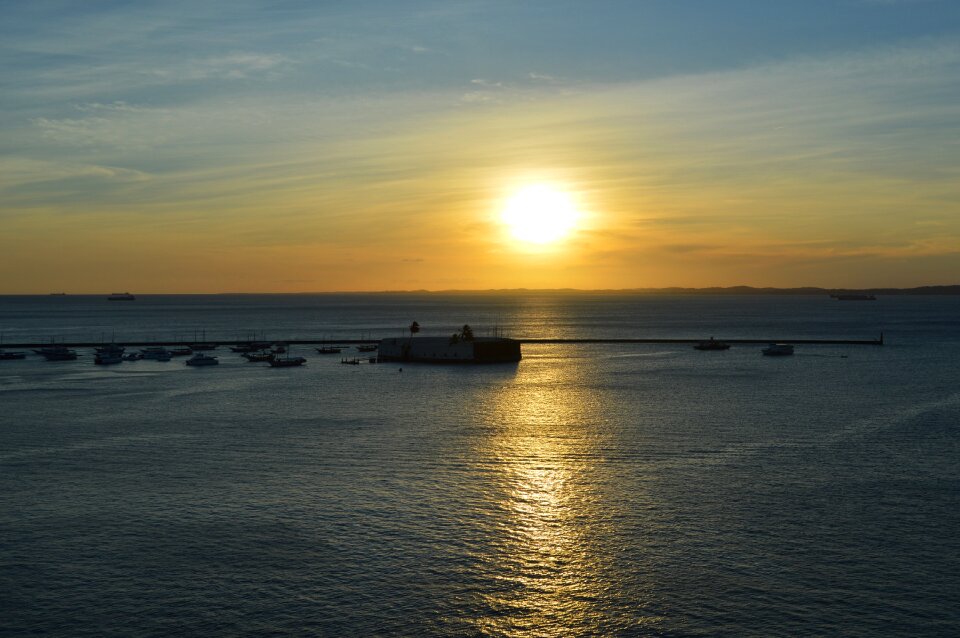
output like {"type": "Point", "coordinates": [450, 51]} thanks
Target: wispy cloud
{"type": "Point", "coordinates": [234, 66]}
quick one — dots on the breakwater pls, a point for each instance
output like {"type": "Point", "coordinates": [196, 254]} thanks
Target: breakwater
{"type": "Point", "coordinates": [524, 340]}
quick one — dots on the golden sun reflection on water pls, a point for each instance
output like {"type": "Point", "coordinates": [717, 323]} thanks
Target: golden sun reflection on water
{"type": "Point", "coordinates": [551, 549]}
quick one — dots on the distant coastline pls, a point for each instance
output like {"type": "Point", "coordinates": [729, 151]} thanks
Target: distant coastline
{"type": "Point", "coordinates": [672, 290]}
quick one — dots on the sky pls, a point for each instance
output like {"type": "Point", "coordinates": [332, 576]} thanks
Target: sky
{"type": "Point", "coordinates": [326, 145]}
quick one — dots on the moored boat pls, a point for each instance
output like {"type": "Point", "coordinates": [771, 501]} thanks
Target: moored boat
{"type": "Point", "coordinates": [250, 346]}
{"type": "Point", "coordinates": [286, 362]}
{"type": "Point", "coordinates": [201, 359]}
{"type": "Point", "coordinates": [110, 349]}
{"type": "Point", "coordinates": [105, 359]}
{"type": "Point", "coordinates": [712, 344]}
{"type": "Point", "coordinates": [57, 353]}
{"type": "Point", "coordinates": [257, 357]}
{"type": "Point", "coordinates": [10, 356]}
{"type": "Point", "coordinates": [203, 344]}
{"type": "Point", "coordinates": [778, 350]}
{"type": "Point", "coordinates": [156, 353]}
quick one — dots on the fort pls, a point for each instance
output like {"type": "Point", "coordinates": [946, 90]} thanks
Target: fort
{"type": "Point", "coordinates": [450, 350]}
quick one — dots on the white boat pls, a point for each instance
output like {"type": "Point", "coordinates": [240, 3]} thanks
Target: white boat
{"type": "Point", "coordinates": [778, 350]}
{"type": "Point", "coordinates": [201, 359]}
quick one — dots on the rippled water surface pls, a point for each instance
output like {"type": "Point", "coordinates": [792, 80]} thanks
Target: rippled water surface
{"type": "Point", "coordinates": [588, 490]}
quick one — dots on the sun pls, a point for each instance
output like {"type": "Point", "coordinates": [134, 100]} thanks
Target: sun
{"type": "Point", "coordinates": [540, 214]}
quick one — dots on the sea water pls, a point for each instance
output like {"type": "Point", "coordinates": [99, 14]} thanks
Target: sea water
{"type": "Point", "coordinates": [590, 489]}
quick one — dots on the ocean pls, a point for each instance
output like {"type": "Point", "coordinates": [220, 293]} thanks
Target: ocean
{"type": "Point", "coordinates": [589, 490]}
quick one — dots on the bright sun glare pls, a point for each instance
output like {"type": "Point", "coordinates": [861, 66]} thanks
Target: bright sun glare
{"type": "Point", "coordinates": [540, 214]}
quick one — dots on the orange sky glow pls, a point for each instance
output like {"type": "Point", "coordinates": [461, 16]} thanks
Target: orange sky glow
{"type": "Point", "coordinates": [833, 167]}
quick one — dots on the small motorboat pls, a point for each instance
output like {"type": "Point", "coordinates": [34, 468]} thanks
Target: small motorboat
{"type": "Point", "coordinates": [133, 356]}
{"type": "Point", "coordinates": [201, 359]}
{"type": "Point", "coordinates": [287, 362]}
{"type": "Point", "coordinates": [257, 357]}
{"type": "Point", "coordinates": [328, 350]}
{"type": "Point", "coordinates": [181, 352]}
{"type": "Point", "coordinates": [350, 362]}
{"type": "Point", "coordinates": [712, 344]}
{"type": "Point", "coordinates": [10, 356]}
{"type": "Point", "coordinates": [778, 350]}
{"type": "Point", "coordinates": [367, 348]}
{"type": "Point", "coordinates": [106, 359]}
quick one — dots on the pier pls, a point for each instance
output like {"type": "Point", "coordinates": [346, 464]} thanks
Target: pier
{"type": "Point", "coordinates": [523, 340]}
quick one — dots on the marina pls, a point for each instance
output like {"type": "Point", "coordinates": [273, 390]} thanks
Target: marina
{"type": "Point", "coordinates": [423, 349]}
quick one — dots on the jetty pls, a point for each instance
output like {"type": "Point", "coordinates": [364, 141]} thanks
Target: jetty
{"type": "Point", "coordinates": [523, 340]}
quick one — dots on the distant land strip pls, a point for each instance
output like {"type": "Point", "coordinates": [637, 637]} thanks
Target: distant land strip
{"type": "Point", "coordinates": [674, 290]}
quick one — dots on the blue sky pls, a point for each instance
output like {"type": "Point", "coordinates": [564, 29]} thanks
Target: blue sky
{"type": "Point", "coordinates": [818, 138]}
